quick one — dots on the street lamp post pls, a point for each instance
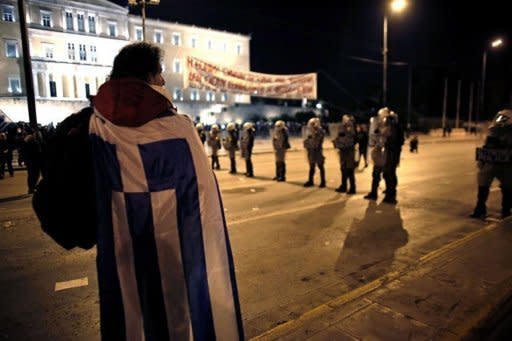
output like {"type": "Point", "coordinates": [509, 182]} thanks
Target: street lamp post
{"type": "Point", "coordinates": [143, 4]}
{"type": "Point", "coordinates": [396, 6]}
{"type": "Point", "coordinates": [494, 44]}
{"type": "Point", "coordinates": [385, 61]}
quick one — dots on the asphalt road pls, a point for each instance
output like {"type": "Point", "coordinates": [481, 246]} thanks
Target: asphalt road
{"type": "Point", "coordinates": [294, 247]}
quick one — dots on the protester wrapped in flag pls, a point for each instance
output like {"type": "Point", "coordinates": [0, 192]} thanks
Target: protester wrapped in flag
{"type": "Point", "coordinates": [165, 267]}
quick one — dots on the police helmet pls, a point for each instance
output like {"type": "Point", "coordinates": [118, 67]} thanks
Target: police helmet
{"type": "Point", "coordinates": [280, 124]}
{"type": "Point", "coordinates": [215, 127]}
{"type": "Point", "coordinates": [347, 118]}
{"type": "Point", "coordinates": [248, 125]}
{"type": "Point", "coordinates": [383, 112]}
{"type": "Point", "coordinates": [231, 126]}
{"type": "Point", "coordinates": [314, 122]}
{"type": "Point", "coordinates": [199, 125]}
{"type": "Point", "coordinates": [503, 118]}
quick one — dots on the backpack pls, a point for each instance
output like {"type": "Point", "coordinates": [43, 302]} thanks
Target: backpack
{"type": "Point", "coordinates": [64, 198]}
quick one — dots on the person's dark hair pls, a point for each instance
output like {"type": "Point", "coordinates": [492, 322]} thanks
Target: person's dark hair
{"type": "Point", "coordinates": [138, 60]}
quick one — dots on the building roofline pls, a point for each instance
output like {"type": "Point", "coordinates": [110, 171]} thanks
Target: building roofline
{"type": "Point", "coordinates": [137, 19]}
{"type": "Point", "coordinates": [100, 5]}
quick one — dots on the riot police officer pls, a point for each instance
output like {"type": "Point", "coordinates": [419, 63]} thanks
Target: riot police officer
{"type": "Point", "coordinates": [495, 161]}
{"type": "Point", "coordinates": [386, 140]}
{"type": "Point", "coordinates": [214, 143]}
{"type": "Point", "coordinates": [281, 144]}
{"type": "Point", "coordinates": [247, 143]}
{"type": "Point", "coordinates": [393, 148]}
{"type": "Point", "coordinates": [345, 143]}
{"type": "Point", "coordinates": [313, 144]}
{"type": "Point", "coordinates": [201, 132]}
{"type": "Point", "coordinates": [231, 145]}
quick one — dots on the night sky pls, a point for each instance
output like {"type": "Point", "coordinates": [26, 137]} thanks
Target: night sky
{"type": "Point", "coordinates": [438, 38]}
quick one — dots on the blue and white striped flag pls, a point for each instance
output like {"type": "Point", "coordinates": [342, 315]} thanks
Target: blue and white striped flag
{"type": "Point", "coordinates": [165, 267]}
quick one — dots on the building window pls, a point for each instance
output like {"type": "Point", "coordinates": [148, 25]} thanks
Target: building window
{"type": "Point", "coordinates": [193, 42]}
{"type": "Point", "coordinates": [177, 94]}
{"type": "Point", "coordinates": [11, 49]}
{"type": "Point", "coordinates": [138, 33]}
{"type": "Point", "coordinates": [83, 52]}
{"type": "Point", "coordinates": [176, 39]}
{"type": "Point", "coordinates": [158, 37]}
{"type": "Point", "coordinates": [8, 13]}
{"type": "Point", "coordinates": [53, 89]}
{"type": "Point", "coordinates": [225, 47]}
{"type": "Point", "coordinates": [92, 24]}
{"type": "Point", "coordinates": [194, 95]}
{"type": "Point", "coordinates": [209, 44]}
{"type": "Point", "coordinates": [81, 22]}
{"type": "Point", "coordinates": [223, 97]}
{"type": "Point", "coordinates": [46, 19]}
{"type": "Point", "coordinates": [238, 49]}
{"type": "Point", "coordinates": [210, 96]}
{"type": "Point", "coordinates": [112, 29]}
{"type": "Point", "coordinates": [69, 21]}
{"type": "Point", "coordinates": [94, 57]}
{"type": "Point", "coordinates": [48, 51]}
{"type": "Point", "coordinates": [176, 66]}
{"type": "Point", "coordinates": [14, 85]}
{"type": "Point", "coordinates": [71, 51]}
{"type": "Point", "coordinates": [87, 90]}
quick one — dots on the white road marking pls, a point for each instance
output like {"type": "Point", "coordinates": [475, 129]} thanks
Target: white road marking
{"type": "Point", "coordinates": [75, 283]}
{"type": "Point", "coordinates": [283, 212]}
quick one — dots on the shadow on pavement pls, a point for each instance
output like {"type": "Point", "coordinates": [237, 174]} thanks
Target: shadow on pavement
{"type": "Point", "coordinates": [370, 245]}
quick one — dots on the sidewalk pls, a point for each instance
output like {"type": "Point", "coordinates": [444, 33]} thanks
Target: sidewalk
{"type": "Point", "coordinates": [460, 291]}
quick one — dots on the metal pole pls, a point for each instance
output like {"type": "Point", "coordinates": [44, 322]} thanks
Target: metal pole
{"type": "Point", "coordinates": [444, 104]}
{"type": "Point", "coordinates": [457, 114]}
{"type": "Point", "coordinates": [471, 88]}
{"type": "Point", "coordinates": [143, 9]}
{"type": "Point", "coordinates": [385, 61]}
{"type": "Point", "coordinates": [27, 65]}
{"type": "Point", "coordinates": [409, 96]}
{"type": "Point", "coordinates": [482, 87]}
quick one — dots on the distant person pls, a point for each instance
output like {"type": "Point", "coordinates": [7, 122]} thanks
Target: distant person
{"type": "Point", "coordinates": [313, 145]}
{"type": "Point", "coordinates": [413, 144]}
{"type": "Point", "coordinates": [495, 162]}
{"type": "Point", "coordinates": [32, 150]}
{"type": "Point", "coordinates": [345, 143]}
{"type": "Point", "coordinates": [231, 145]}
{"type": "Point", "coordinates": [362, 144]}
{"type": "Point", "coordinates": [3, 154]}
{"type": "Point", "coordinates": [377, 140]}
{"type": "Point", "coordinates": [247, 144]}
{"type": "Point", "coordinates": [215, 145]}
{"type": "Point", "coordinates": [201, 132]}
{"type": "Point", "coordinates": [281, 144]}
{"type": "Point", "coordinates": [165, 268]}
{"type": "Point", "coordinates": [393, 148]}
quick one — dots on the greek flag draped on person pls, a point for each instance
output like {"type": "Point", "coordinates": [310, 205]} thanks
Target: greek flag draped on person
{"type": "Point", "coordinates": [165, 267]}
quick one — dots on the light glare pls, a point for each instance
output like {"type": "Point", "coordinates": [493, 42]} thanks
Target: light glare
{"type": "Point", "coordinates": [398, 5]}
{"type": "Point", "coordinates": [497, 43]}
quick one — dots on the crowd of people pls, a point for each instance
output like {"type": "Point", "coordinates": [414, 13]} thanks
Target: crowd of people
{"type": "Point", "coordinates": [25, 146]}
